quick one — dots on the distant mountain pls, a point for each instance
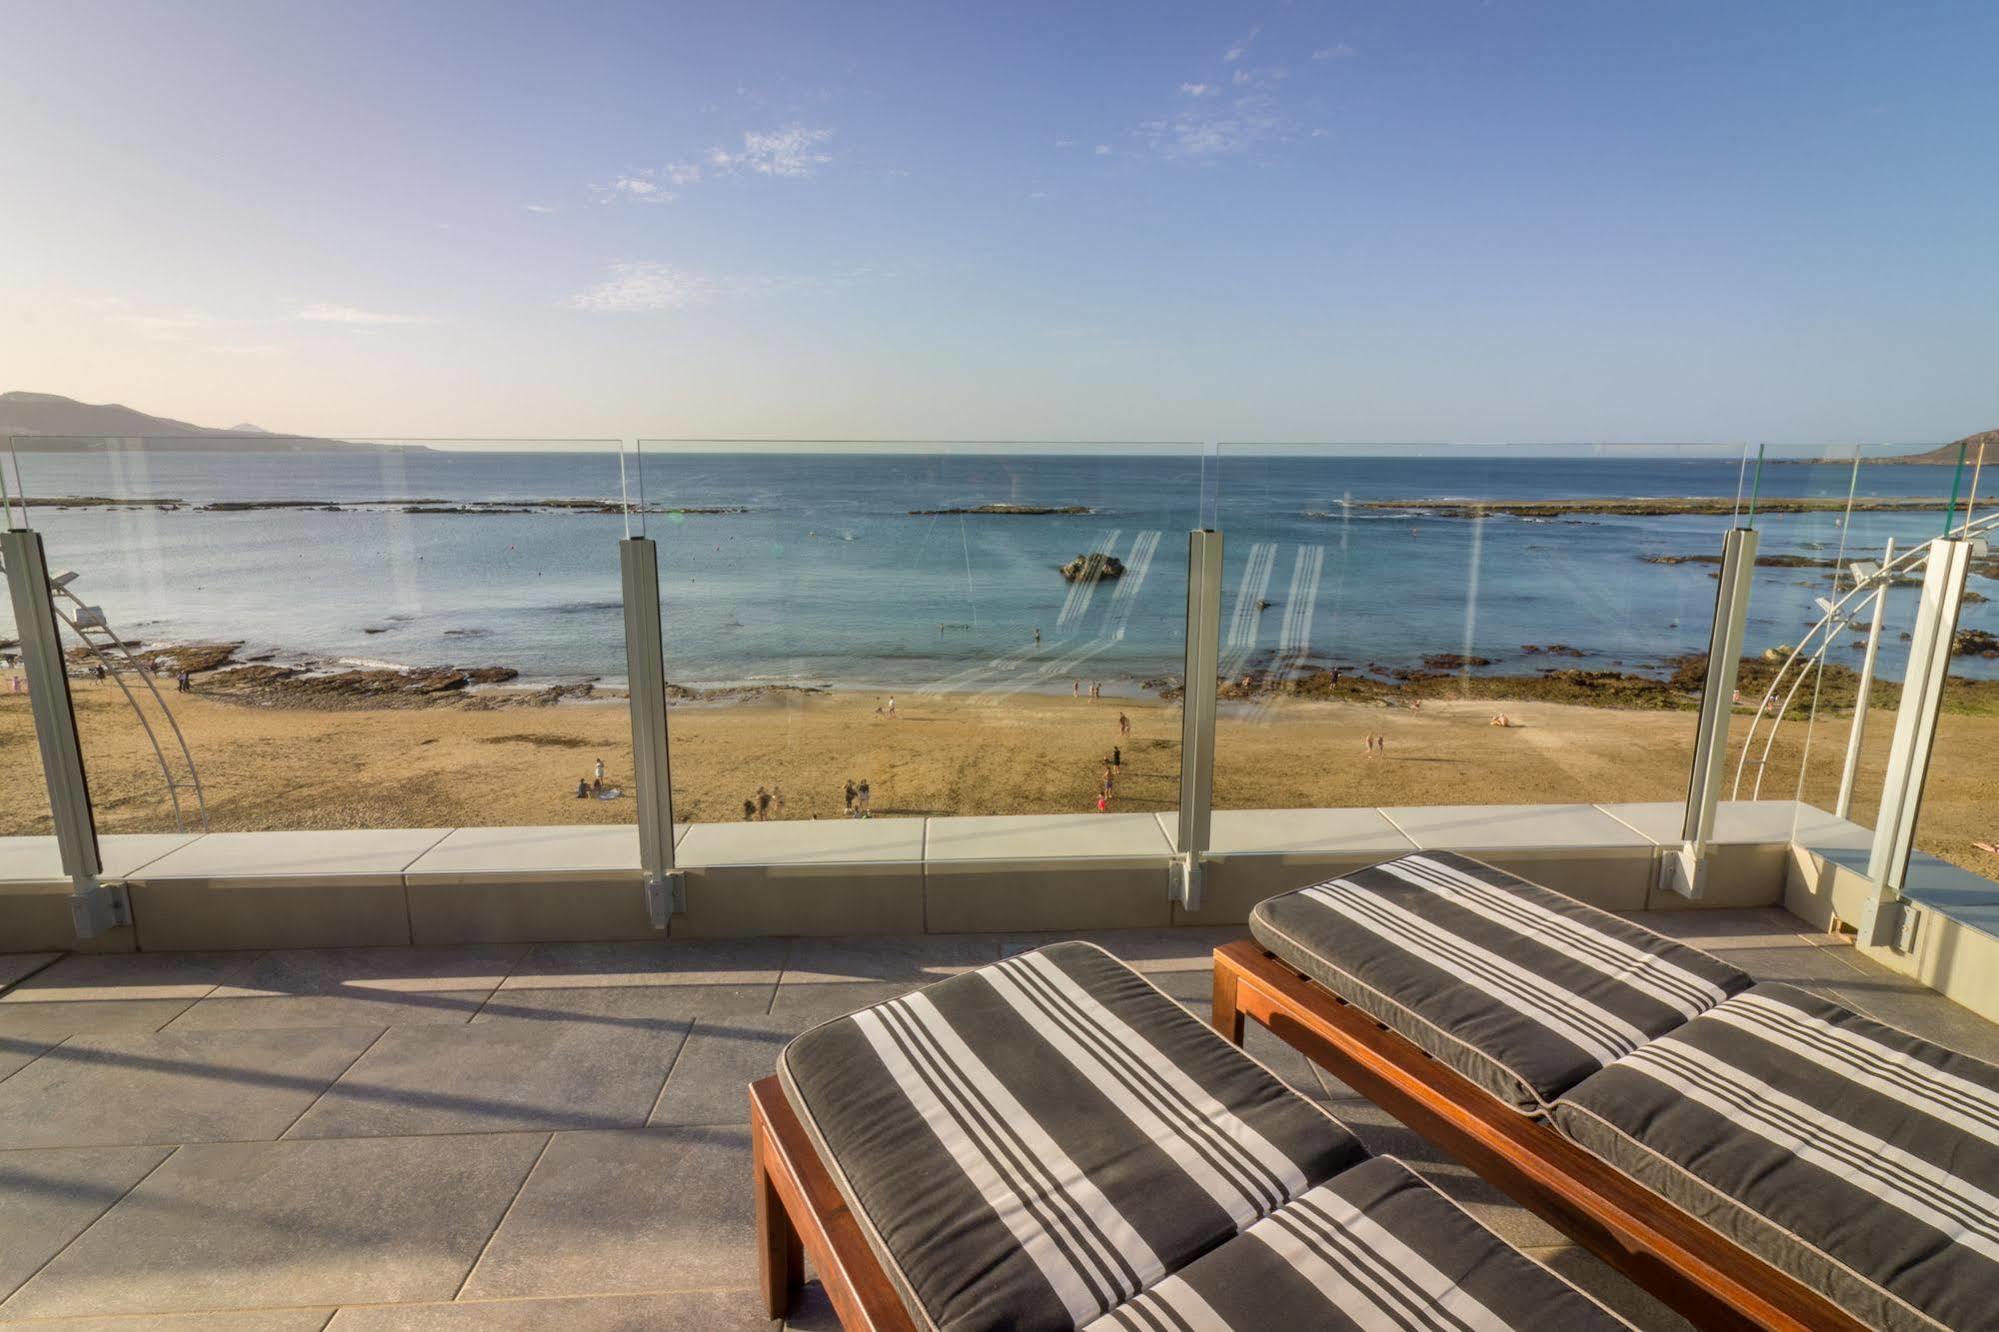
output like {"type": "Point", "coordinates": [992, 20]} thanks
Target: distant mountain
{"type": "Point", "coordinates": [51, 423]}
{"type": "Point", "coordinates": [1946, 454]}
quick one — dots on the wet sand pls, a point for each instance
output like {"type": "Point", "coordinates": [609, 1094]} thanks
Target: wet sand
{"type": "Point", "coordinates": [447, 766]}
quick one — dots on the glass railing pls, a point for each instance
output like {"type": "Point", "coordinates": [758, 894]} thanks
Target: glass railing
{"type": "Point", "coordinates": [1456, 625]}
{"type": "Point", "coordinates": [276, 634]}
{"type": "Point", "coordinates": [909, 629]}
{"type": "Point", "coordinates": [24, 796]}
{"type": "Point", "coordinates": [1843, 534]}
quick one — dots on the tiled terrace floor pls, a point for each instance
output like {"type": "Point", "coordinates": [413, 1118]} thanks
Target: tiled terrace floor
{"type": "Point", "coordinates": [522, 1137]}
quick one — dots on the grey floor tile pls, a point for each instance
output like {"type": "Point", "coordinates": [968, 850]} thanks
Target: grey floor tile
{"type": "Point", "coordinates": [710, 1081]}
{"type": "Point", "coordinates": [1751, 927]}
{"type": "Point", "coordinates": [1916, 1009]}
{"type": "Point", "coordinates": [17, 1052]}
{"type": "Point", "coordinates": [1614, 1290]}
{"type": "Point", "coordinates": [636, 1009]}
{"type": "Point", "coordinates": [253, 1320]}
{"type": "Point", "coordinates": [1384, 1135]}
{"type": "Point", "coordinates": [680, 1311]}
{"type": "Point", "coordinates": [82, 977]}
{"type": "Point", "coordinates": [274, 1224]}
{"type": "Point", "coordinates": [361, 1009]}
{"type": "Point", "coordinates": [1797, 966]}
{"type": "Point", "coordinates": [166, 1087]}
{"type": "Point", "coordinates": [645, 1209]}
{"type": "Point", "coordinates": [17, 967]}
{"type": "Point", "coordinates": [48, 1198]}
{"type": "Point", "coordinates": [59, 1021]}
{"type": "Point", "coordinates": [288, 971]}
{"type": "Point", "coordinates": [811, 1311]}
{"type": "Point", "coordinates": [913, 958]}
{"type": "Point", "coordinates": [1196, 989]}
{"type": "Point", "coordinates": [822, 1003]}
{"type": "Point", "coordinates": [494, 1077]}
{"type": "Point", "coordinates": [1180, 948]}
{"type": "Point", "coordinates": [666, 962]}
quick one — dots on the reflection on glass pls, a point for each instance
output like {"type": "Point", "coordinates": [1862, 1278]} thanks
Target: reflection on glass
{"type": "Point", "coordinates": [351, 634]}
{"type": "Point", "coordinates": [1957, 820]}
{"type": "Point", "coordinates": [875, 630]}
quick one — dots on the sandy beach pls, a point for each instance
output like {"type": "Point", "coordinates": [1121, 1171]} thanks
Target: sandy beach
{"type": "Point", "coordinates": [453, 765]}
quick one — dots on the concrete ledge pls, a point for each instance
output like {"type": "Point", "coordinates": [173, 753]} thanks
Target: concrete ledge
{"type": "Point", "coordinates": [1259, 853]}
{"type": "Point", "coordinates": [1045, 872]}
{"type": "Point", "coordinates": [279, 890]}
{"type": "Point", "coordinates": [1574, 849]}
{"type": "Point", "coordinates": [34, 894]}
{"type": "Point", "coordinates": [819, 877]}
{"type": "Point", "coordinates": [530, 885]}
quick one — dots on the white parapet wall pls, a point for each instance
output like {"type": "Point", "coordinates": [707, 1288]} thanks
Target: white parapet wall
{"type": "Point", "coordinates": [949, 875]}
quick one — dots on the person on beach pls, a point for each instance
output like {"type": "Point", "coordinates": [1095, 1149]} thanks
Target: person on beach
{"type": "Point", "coordinates": [1075, 688]}
{"type": "Point", "coordinates": [1037, 638]}
{"type": "Point", "coordinates": [1501, 719]}
{"type": "Point", "coordinates": [598, 772]}
{"type": "Point", "coordinates": [1117, 756]}
{"type": "Point", "coordinates": [1110, 783]}
{"type": "Point", "coordinates": [763, 805]}
{"type": "Point", "coordinates": [849, 797]}
{"type": "Point", "coordinates": [596, 786]}
{"type": "Point", "coordinates": [182, 683]}
{"type": "Point", "coordinates": [891, 707]}
{"type": "Point", "coordinates": [749, 811]}
{"type": "Point", "coordinates": [863, 798]}
{"type": "Point", "coordinates": [582, 788]}
{"type": "Point", "coordinates": [1123, 724]}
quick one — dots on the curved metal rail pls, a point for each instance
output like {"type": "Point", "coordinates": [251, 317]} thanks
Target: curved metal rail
{"type": "Point", "coordinates": [82, 623]}
{"type": "Point", "coordinates": [1827, 630]}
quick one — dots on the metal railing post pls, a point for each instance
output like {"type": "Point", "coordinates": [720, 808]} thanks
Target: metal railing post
{"type": "Point", "coordinates": [1882, 919]}
{"type": "Point", "coordinates": [94, 907]}
{"type": "Point", "coordinates": [1857, 735]}
{"type": "Point", "coordinates": [1685, 871]}
{"type": "Point", "coordinates": [652, 776]}
{"type": "Point", "coordinates": [1197, 713]}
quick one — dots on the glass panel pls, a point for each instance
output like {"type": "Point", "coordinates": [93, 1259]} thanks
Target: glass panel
{"type": "Point", "coordinates": [345, 634]}
{"type": "Point", "coordinates": [24, 797]}
{"type": "Point", "coordinates": [1467, 624]}
{"type": "Point", "coordinates": [1838, 527]}
{"type": "Point", "coordinates": [1957, 820]}
{"type": "Point", "coordinates": [957, 628]}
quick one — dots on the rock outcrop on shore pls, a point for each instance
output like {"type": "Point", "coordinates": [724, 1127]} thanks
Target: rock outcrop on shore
{"type": "Point", "coordinates": [1093, 566]}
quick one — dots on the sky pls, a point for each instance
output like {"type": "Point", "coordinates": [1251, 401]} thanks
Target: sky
{"type": "Point", "coordinates": [1399, 220]}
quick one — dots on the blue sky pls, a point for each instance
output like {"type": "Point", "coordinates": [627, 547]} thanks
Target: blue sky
{"type": "Point", "coordinates": [1343, 221]}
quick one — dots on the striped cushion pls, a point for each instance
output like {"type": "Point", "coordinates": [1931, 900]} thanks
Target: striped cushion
{"type": "Point", "coordinates": [1032, 1143]}
{"type": "Point", "coordinates": [1524, 991]}
{"type": "Point", "coordinates": [1859, 1158]}
{"type": "Point", "coordinates": [1374, 1250]}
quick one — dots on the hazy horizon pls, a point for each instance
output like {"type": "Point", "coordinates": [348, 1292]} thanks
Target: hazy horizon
{"type": "Point", "coordinates": [1286, 221]}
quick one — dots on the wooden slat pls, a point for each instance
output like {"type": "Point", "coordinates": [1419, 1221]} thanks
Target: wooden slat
{"type": "Point", "coordinates": [799, 1207]}
{"type": "Point", "coordinates": [1713, 1281]}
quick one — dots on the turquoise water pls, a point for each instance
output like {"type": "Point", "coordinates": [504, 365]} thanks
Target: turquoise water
{"type": "Point", "coordinates": [828, 578]}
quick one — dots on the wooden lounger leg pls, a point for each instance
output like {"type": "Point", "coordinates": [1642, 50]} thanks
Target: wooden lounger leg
{"type": "Point", "coordinates": [1227, 1018]}
{"type": "Point", "coordinates": [780, 1259]}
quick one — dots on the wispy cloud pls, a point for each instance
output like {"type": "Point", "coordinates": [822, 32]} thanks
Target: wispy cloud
{"type": "Point", "coordinates": [639, 286]}
{"type": "Point", "coordinates": [1200, 89]}
{"type": "Point", "coordinates": [635, 187]}
{"type": "Point", "coordinates": [1337, 51]}
{"type": "Point", "coordinates": [683, 174]}
{"type": "Point", "coordinates": [352, 318]}
{"type": "Point", "coordinates": [645, 285]}
{"type": "Point", "coordinates": [163, 324]}
{"type": "Point", "coordinates": [542, 208]}
{"type": "Point", "coordinates": [793, 152]}
{"type": "Point", "coordinates": [1241, 48]}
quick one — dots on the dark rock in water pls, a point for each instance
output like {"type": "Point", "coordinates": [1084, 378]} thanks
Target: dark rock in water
{"type": "Point", "coordinates": [190, 657]}
{"type": "Point", "coordinates": [375, 629]}
{"type": "Point", "coordinates": [1974, 643]}
{"type": "Point", "coordinates": [1093, 566]}
{"type": "Point", "coordinates": [1452, 661]}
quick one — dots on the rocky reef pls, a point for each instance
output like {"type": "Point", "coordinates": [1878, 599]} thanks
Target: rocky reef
{"type": "Point", "coordinates": [1093, 566]}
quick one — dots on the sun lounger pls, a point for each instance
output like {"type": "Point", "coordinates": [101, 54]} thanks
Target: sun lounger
{"type": "Point", "coordinates": [1051, 1142]}
{"type": "Point", "coordinates": [1767, 1159]}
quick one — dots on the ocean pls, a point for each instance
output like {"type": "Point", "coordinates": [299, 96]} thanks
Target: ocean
{"type": "Point", "coordinates": [826, 577]}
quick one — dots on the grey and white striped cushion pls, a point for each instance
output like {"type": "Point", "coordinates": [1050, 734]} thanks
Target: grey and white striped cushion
{"type": "Point", "coordinates": [1859, 1158]}
{"type": "Point", "coordinates": [1524, 991]}
{"type": "Point", "coordinates": [1035, 1142]}
{"type": "Point", "coordinates": [1373, 1250]}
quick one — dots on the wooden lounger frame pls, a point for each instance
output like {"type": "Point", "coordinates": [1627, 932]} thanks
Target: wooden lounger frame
{"type": "Point", "coordinates": [801, 1214]}
{"type": "Point", "coordinates": [1695, 1270]}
